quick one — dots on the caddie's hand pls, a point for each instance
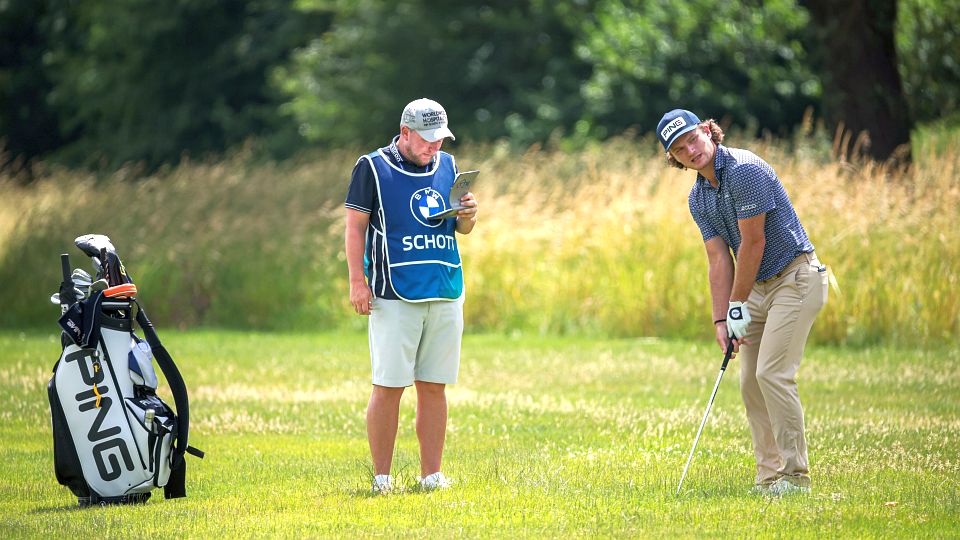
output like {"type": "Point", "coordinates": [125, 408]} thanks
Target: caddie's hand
{"type": "Point", "coordinates": [738, 318]}
{"type": "Point", "coordinates": [361, 297]}
{"type": "Point", "coordinates": [470, 212]}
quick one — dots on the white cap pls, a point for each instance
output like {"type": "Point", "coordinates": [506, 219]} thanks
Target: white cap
{"type": "Point", "coordinates": [428, 118]}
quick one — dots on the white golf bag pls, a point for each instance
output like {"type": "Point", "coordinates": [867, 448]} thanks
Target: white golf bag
{"type": "Point", "coordinates": [114, 439]}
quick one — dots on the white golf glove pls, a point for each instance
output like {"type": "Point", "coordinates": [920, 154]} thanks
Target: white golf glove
{"type": "Point", "coordinates": [738, 318]}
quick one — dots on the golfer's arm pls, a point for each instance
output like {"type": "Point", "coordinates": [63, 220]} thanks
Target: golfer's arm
{"type": "Point", "coordinates": [720, 272]}
{"type": "Point", "coordinates": [752, 242]}
{"type": "Point", "coordinates": [355, 234]}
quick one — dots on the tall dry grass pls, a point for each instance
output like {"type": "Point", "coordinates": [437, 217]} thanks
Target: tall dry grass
{"type": "Point", "coordinates": [595, 241]}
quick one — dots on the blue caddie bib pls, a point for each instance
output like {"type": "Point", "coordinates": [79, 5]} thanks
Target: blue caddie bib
{"type": "Point", "coordinates": [422, 255]}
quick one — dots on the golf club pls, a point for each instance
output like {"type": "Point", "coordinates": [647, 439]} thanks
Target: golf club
{"type": "Point", "coordinates": [723, 367]}
{"type": "Point", "coordinates": [67, 293]}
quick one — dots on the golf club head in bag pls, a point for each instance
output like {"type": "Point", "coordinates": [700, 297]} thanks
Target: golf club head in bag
{"type": "Point", "coordinates": [713, 395]}
{"type": "Point", "coordinates": [106, 262]}
{"type": "Point", "coordinates": [114, 439]}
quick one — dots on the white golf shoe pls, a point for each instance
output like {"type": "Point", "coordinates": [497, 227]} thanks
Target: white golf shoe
{"type": "Point", "coordinates": [435, 481]}
{"type": "Point", "coordinates": [382, 484]}
{"type": "Point", "coordinates": [784, 486]}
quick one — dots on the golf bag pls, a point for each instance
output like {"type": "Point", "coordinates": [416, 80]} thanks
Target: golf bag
{"type": "Point", "coordinates": [114, 439]}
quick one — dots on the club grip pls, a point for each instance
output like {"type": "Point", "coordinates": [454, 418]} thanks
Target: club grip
{"type": "Point", "coordinates": [726, 357]}
{"type": "Point", "coordinates": [65, 267]}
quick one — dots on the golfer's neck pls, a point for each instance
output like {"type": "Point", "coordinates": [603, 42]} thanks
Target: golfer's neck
{"type": "Point", "coordinates": [709, 174]}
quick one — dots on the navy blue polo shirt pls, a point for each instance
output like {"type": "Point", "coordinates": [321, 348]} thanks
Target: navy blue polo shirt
{"type": "Point", "coordinates": [748, 187]}
{"type": "Point", "coordinates": [362, 196]}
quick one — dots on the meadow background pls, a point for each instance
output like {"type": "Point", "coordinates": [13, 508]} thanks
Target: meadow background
{"type": "Point", "coordinates": [597, 241]}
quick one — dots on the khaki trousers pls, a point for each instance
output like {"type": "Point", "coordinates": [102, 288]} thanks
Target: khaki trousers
{"type": "Point", "coordinates": [782, 311]}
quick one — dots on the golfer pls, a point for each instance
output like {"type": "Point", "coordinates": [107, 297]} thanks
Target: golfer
{"type": "Point", "coordinates": [406, 275]}
{"type": "Point", "coordinates": [766, 301]}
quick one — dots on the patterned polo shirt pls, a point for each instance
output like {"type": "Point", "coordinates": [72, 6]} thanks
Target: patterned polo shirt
{"type": "Point", "coordinates": [748, 187]}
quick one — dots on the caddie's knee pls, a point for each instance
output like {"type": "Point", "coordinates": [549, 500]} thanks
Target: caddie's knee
{"type": "Point", "coordinates": [430, 389]}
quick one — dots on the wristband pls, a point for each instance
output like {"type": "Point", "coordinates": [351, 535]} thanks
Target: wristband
{"type": "Point", "coordinates": [719, 321]}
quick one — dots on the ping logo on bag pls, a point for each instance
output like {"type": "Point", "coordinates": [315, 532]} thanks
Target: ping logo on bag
{"type": "Point", "coordinates": [114, 439]}
{"type": "Point", "coordinates": [103, 438]}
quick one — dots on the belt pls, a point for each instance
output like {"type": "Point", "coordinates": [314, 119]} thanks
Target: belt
{"type": "Point", "coordinates": [787, 268]}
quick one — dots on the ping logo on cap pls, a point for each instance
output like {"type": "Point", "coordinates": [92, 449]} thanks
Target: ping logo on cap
{"type": "Point", "coordinates": [674, 125]}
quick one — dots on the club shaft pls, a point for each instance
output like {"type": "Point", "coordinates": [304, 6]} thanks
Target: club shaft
{"type": "Point", "coordinates": [713, 395]}
{"type": "Point", "coordinates": [703, 422]}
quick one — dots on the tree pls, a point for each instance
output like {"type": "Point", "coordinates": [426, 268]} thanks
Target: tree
{"type": "Point", "coordinates": [501, 68]}
{"type": "Point", "coordinates": [862, 88]}
{"type": "Point", "coordinates": [28, 125]}
{"type": "Point", "coordinates": [742, 60]}
{"type": "Point", "coordinates": [142, 81]}
{"type": "Point", "coordinates": [928, 51]}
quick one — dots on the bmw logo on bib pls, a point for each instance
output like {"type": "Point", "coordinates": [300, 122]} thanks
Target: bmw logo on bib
{"type": "Point", "coordinates": [426, 202]}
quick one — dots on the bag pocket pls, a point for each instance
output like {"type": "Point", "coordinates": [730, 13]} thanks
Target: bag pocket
{"type": "Point", "coordinates": [153, 422]}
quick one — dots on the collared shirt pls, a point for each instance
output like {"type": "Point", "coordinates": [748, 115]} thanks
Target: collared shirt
{"type": "Point", "coordinates": [362, 196]}
{"type": "Point", "coordinates": [748, 187]}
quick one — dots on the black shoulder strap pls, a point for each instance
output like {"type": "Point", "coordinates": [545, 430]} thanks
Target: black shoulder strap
{"type": "Point", "coordinates": [176, 486]}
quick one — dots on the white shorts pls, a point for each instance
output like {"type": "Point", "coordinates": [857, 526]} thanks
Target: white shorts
{"type": "Point", "coordinates": [415, 341]}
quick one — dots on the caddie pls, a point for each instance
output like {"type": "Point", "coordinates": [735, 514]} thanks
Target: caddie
{"type": "Point", "coordinates": [765, 295]}
{"type": "Point", "coordinates": [405, 274]}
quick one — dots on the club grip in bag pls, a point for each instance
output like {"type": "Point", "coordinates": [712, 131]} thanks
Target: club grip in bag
{"type": "Point", "coordinates": [68, 295]}
{"type": "Point", "coordinates": [65, 266]}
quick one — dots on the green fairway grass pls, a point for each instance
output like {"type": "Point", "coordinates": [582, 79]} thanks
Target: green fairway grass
{"type": "Point", "coordinates": [548, 437]}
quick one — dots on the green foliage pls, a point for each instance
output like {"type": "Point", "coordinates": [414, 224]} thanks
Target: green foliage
{"type": "Point", "coordinates": [725, 60]}
{"type": "Point", "coordinates": [147, 81]}
{"type": "Point", "coordinates": [500, 68]}
{"type": "Point", "coordinates": [532, 70]}
{"type": "Point", "coordinates": [98, 84]}
{"type": "Point", "coordinates": [928, 49]}
{"type": "Point", "coordinates": [548, 438]}
{"type": "Point", "coordinates": [28, 126]}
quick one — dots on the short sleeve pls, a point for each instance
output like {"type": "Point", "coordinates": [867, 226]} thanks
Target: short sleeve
{"type": "Point", "coordinates": [753, 188]}
{"type": "Point", "coordinates": [361, 195]}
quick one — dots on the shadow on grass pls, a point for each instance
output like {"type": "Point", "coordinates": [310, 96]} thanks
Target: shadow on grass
{"type": "Point", "coordinates": [62, 508]}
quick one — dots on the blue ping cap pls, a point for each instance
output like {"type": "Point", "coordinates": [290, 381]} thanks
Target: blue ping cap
{"type": "Point", "coordinates": [674, 124]}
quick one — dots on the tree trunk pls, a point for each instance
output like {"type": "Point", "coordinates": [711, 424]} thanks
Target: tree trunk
{"type": "Point", "coordinates": [862, 91]}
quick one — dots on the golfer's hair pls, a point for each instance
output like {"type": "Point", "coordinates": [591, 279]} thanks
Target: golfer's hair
{"type": "Point", "coordinates": [716, 135]}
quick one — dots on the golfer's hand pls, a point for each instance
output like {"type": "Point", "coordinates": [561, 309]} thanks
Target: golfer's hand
{"type": "Point", "coordinates": [738, 319]}
{"type": "Point", "coordinates": [361, 297]}
{"type": "Point", "coordinates": [723, 340]}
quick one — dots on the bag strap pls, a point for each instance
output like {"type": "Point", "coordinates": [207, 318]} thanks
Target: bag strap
{"type": "Point", "coordinates": [176, 486]}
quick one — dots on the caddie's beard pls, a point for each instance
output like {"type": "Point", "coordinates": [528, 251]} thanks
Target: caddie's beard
{"type": "Point", "coordinates": [408, 153]}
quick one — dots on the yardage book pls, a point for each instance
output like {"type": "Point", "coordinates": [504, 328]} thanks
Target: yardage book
{"type": "Point", "coordinates": [461, 186]}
